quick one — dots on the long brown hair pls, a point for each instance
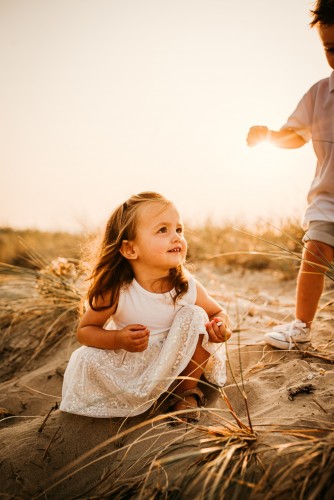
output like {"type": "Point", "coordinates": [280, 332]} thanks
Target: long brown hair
{"type": "Point", "coordinates": [112, 271]}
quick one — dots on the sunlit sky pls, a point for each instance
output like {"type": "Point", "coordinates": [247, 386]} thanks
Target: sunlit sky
{"type": "Point", "coordinates": [100, 99]}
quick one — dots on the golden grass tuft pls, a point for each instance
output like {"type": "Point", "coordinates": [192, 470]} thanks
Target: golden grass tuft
{"type": "Point", "coordinates": [263, 246]}
{"type": "Point", "coordinates": [39, 308]}
{"type": "Point", "coordinates": [16, 246]}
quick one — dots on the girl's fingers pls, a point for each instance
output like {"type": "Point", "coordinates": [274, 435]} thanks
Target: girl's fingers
{"type": "Point", "coordinates": [220, 323]}
{"type": "Point", "coordinates": [142, 346]}
{"type": "Point", "coordinates": [228, 334]}
{"type": "Point", "coordinates": [141, 341]}
{"type": "Point", "coordinates": [140, 334]}
{"type": "Point", "coordinates": [218, 331]}
{"type": "Point", "coordinates": [136, 327]}
{"type": "Point", "coordinates": [138, 345]}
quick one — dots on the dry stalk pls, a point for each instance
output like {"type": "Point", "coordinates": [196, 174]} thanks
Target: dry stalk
{"type": "Point", "coordinates": [50, 443]}
{"type": "Point", "coordinates": [44, 303]}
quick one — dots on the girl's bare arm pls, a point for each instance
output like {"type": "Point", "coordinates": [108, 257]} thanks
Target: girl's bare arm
{"type": "Point", "coordinates": [133, 338]}
{"type": "Point", "coordinates": [218, 326]}
{"type": "Point", "coordinates": [90, 330]}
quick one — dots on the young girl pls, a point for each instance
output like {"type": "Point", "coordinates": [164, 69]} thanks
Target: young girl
{"type": "Point", "coordinates": [148, 322]}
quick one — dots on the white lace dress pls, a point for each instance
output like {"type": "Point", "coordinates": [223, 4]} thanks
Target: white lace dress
{"type": "Point", "coordinates": [104, 383]}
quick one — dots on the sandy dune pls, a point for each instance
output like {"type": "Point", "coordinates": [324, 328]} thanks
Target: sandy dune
{"type": "Point", "coordinates": [50, 454]}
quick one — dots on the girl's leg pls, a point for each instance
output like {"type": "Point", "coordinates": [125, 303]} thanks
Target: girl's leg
{"type": "Point", "coordinates": [194, 369]}
{"type": "Point", "coordinates": [192, 374]}
{"type": "Point", "coordinates": [311, 279]}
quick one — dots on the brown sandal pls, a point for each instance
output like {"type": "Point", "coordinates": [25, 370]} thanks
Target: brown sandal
{"type": "Point", "coordinates": [192, 416]}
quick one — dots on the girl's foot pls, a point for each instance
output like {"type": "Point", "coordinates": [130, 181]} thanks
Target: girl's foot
{"type": "Point", "coordinates": [191, 399]}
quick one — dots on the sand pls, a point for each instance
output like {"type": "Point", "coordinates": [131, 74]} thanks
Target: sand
{"type": "Point", "coordinates": [45, 453]}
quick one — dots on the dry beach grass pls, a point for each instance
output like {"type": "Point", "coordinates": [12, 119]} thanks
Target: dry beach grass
{"type": "Point", "coordinates": [267, 434]}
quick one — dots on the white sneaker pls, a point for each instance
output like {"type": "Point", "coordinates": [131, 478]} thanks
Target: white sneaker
{"type": "Point", "coordinates": [285, 336]}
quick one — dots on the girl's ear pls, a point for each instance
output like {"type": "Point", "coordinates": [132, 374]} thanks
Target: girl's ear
{"type": "Point", "coordinates": [127, 250]}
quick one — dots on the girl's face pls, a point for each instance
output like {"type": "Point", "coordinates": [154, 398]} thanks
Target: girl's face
{"type": "Point", "coordinates": [159, 243]}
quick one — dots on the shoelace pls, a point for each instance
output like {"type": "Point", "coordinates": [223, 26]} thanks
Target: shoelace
{"type": "Point", "coordinates": [289, 333]}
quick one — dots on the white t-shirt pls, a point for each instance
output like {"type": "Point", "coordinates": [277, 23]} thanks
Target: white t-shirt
{"type": "Point", "coordinates": [314, 119]}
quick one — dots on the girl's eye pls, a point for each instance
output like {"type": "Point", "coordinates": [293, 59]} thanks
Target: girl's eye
{"type": "Point", "coordinates": [329, 49]}
{"type": "Point", "coordinates": [179, 230]}
{"type": "Point", "coordinates": [163, 230]}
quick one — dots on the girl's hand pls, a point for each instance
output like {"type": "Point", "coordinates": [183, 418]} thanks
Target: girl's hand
{"type": "Point", "coordinates": [133, 338]}
{"type": "Point", "coordinates": [217, 330]}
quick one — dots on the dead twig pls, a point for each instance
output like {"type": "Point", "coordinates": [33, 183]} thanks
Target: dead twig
{"type": "Point", "coordinates": [52, 439]}
{"type": "Point", "coordinates": [55, 407]}
{"type": "Point", "coordinates": [306, 352]}
{"type": "Point", "coordinates": [320, 406]}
